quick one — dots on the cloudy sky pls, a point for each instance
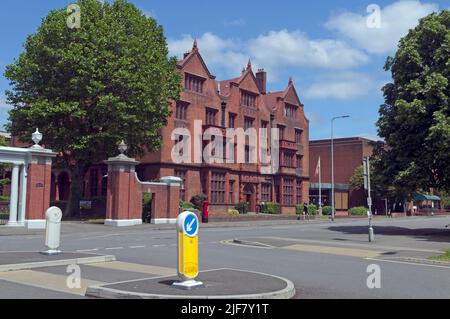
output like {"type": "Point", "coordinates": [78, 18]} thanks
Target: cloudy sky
{"type": "Point", "coordinates": [334, 49]}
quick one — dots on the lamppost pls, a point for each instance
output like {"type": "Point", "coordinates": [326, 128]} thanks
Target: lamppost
{"type": "Point", "coordinates": [332, 165]}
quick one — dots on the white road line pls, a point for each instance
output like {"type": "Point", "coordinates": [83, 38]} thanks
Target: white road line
{"type": "Point", "coordinates": [133, 247]}
{"type": "Point", "coordinates": [83, 250]}
{"type": "Point", "coordinates": [113, 248]}
{"type": "Point", "coordinates": [408, 263]}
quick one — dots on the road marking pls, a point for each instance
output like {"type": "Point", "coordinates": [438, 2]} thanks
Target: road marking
{"type": "Point", "coordinates": [335, 243]}
{"type": "Point", "coordinates": [334, 250]}
{"type": "Point", "coordinates": [49, 281]}
{"type": "Point", "coordinates": [84, 250]}
{"type": "Point", "coordinates": [408, 263]}
{"type": "Point", "coordinates": [113, 248]}
{"type": "Point", "coordinates": [146, 269]}
{"type": "Point", "coordinates": [133, 247]}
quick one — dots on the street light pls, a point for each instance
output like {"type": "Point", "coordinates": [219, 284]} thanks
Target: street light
{"type": "Point", "coordinates": [332, 165]}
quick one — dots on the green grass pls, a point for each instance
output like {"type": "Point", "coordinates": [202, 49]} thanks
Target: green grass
{"type": "Point", "coordinates": [444, 257]}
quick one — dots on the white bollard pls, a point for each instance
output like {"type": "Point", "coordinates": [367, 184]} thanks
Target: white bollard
{"type": "Point", "coordinates": [53, 217]}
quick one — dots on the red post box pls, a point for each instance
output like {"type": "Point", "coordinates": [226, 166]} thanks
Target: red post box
{"type": "Point", "coordinates": [205, 212]}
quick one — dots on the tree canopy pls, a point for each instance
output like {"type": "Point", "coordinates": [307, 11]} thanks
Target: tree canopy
{"type": "Point", "coordinates": [415, 118]}
{"type": "Point", "coordinates": [87, 88]}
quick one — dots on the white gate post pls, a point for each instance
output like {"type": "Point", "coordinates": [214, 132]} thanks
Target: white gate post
{"type": "Point", "coordinates": [13, 200]}
{"type": "Point", "coordinates": [23, 194]}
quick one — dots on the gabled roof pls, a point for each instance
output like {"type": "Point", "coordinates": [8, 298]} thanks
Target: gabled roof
{"type": "Point", "coordinates": [190, 55]}
{"type": "Point", "coordinates": [225, 85]}
{"type": "Point", "coordinates": [273, 97]}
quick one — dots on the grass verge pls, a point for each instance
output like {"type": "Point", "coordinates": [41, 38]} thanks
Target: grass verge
{"type": "Point", "coordinates": [444, 257]}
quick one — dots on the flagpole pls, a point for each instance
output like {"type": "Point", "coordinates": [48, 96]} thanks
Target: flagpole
{"type": "Point", "coordinates": [320, 188]}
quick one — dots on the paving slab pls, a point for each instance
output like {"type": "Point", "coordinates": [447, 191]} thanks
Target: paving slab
{"type": "Point", "coordinates": [222, 283]}
{"type": "Point", "coordinates": [19, 260]}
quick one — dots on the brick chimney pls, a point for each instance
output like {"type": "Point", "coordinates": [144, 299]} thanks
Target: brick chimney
{"type": "Point", "coordinates": [261, 80]}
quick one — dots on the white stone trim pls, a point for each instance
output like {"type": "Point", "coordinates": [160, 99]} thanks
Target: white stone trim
{"type": "Point", "coordinates": [163, 220]}
{"type": "Point", "coordinates": [15, 224]}
{"type": "Point", "coordinates": [122, 222]}
{"type": "Point", "coordinates": [35, 223]}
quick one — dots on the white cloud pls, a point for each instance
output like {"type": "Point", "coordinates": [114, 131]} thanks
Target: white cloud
{"type": "Point", "coordinates": [273, 51]}
{"type": "Point", "coordinates": [219, 54]}
{"type": "Point", "coordinates": [295, 49]}
{"type": "Point", "coordinates": [396, 19]}
{"type": "Point", "coordinates": [342, 86]}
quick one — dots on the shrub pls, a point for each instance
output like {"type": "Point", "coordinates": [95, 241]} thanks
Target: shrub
{"type": "Point", "coordinates": [312, 209]}
{"type": "Point", "coordinates": [232, 212]}
{"type": "Point", "coordinates": [186, 205]}
{"type": "Point", "coordinates": [4, 198]}
{"type": "Point", "coordinates": [198, 200]}
{"type": "Point", "coordinates": [358, 211]}
{"type": "Point", "coordinates": [326, 210]}
{"type": "Point", "coordinates": [299, 209]}
{"type": "Point", "coordinates": [271, 208]}
{"type": "Point", "coordinates": [242, 207]}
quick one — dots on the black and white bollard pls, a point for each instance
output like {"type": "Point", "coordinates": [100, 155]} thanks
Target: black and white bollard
{"type": "Point", "coordinates": [53, 217]}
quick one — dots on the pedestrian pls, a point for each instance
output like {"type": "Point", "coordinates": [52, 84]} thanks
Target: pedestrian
{"type": "Point", "coordinates": [305, 210]}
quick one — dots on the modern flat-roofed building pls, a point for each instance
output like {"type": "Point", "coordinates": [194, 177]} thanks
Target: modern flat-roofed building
{"type": "Point", "coordinates": [348, 155]}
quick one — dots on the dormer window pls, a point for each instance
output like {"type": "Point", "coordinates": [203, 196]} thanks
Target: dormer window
{"type": "Point", "coordinates": [248, 99]}
{"type": "Point", "coordinates": [193, 83]}
{"type": "Point", "coordinates": [290, 111]}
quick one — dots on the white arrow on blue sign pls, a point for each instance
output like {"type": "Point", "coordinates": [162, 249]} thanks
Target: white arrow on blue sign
{"type": "Point", "coordinates": [191, 225]}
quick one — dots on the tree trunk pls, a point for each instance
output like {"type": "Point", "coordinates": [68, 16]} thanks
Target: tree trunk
{"type": "Point", "coordinates": [73, 203]}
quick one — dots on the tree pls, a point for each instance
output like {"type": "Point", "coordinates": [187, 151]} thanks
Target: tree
{"type": "Point", "coordinates": [415, 118]}
{"type": "Point", "coordinates": [87, 88]}
{"type": "Point", "coordinates": [3, 168]}
{"type": "Point", "coordinates": [357, 179]}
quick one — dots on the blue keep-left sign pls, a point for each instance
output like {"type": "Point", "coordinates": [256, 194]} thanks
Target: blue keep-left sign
{"type": "Point", "coordinates": [191, 225]}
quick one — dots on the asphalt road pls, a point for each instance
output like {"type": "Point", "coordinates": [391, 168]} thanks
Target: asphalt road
{"type": "Point", "coordinates": [322, 259]}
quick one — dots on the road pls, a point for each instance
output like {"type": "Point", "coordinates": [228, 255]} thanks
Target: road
{"type": "Point", "coordinates": [323, 259]}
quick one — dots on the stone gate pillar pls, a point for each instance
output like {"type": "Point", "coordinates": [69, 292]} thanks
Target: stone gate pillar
{"type": "Point", "coordinates": [124, 196]}
{"type": "Point", "coordinates": [38, 181]}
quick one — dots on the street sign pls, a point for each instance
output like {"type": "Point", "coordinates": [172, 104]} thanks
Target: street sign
{"type": "Point", "coordinates": [187, 235]}
{"type": "Point", "coordinates": [366, 173]}
{"type": "Point", "coordinates": [191, 225]}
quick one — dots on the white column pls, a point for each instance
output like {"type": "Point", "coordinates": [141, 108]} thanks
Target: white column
{"type": "Point", "coordinates": [13, 200]}
{"type": "Point", "coordinates": [23, 194]}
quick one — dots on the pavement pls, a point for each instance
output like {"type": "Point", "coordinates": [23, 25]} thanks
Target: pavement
{"type": "Point", "coordinates": [322, 259]}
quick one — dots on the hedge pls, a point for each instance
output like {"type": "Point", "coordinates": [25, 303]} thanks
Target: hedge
{"type": "Point", "coordinates": [312, 209]}
{"type": "Point", "coordinates": [242, 207]}
{"type": "Point", "coordinates": [271, 208]}
{"type": "Point", "coordinates": [326, 210]}
{"type": "Point", "coordinates": [358, 211]}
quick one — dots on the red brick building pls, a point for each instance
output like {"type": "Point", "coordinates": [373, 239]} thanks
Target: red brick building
{"type": "Point", "coordinates": [241, 102]}
{"type": "Point", "coordinates": [348, 155]}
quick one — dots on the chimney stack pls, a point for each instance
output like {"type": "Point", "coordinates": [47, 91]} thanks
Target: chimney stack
{"type": "Point", "coordinates": [261, 80]}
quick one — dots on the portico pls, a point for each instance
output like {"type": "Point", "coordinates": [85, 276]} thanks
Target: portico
{"type": "Point", "coordinates": [30, 167]}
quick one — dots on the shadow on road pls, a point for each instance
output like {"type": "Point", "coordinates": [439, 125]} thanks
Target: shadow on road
{"type": "Point", "coordinates": [430, 234]}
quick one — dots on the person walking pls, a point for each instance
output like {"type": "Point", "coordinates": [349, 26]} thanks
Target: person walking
{"type": "Point", "coordinates": [305, 210]}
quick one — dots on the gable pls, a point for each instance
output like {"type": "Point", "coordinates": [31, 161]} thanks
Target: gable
{"type": "Point", "coordinates": [196, 66]}
{"type": "Point", "coordinates": [291, 97]}
{"type": "Point", "coordinates": [248, 83]}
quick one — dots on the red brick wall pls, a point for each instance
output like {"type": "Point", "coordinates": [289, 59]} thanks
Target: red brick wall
{"type": "Point", "coordinates": [38, 190]}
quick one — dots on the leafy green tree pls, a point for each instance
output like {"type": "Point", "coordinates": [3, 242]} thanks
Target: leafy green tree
{"type": "Point", "coordinates": [415, 118]}
{"type": "Point", "coordinates": [88, 88]}
{"type": "Point", "coordinates": [3, 168]}
{"type": "Point", "coordinates": [357, 179]}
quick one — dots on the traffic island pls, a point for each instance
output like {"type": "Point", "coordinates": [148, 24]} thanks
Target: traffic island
{"type": "Point", "coordinates": [218, 284]}
{"type": "Point", "coordinates": [19, 260]}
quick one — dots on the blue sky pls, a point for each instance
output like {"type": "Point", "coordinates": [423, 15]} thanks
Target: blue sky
{"type": "Point", "coordinates": [335, 59]}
